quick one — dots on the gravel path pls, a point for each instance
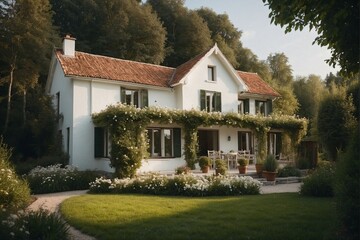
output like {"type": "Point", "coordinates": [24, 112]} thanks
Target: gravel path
{"type": "Point", "coordinates": [52, 202]}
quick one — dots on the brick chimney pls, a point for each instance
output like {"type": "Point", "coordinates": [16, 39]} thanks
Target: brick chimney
{"type": "Point", "coordinates": [68, 46]}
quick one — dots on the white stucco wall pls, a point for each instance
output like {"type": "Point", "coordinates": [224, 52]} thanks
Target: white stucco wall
{"type": "Point", "coordinates": [162, 98]}
{"type": "Point", "coordinates": [197, 80]}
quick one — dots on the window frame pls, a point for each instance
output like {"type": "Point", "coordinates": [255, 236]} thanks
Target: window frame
{"type": "Point", "coordinates": [213, 104]}
{"type": "Point", "coordinates": [175, 142]}
{"type": "Point", "coordinates": [211, 73]}
{"type": "Point", "coordinates": [258, 107]}
{"type": "Point", "coordinates": [103, 150]}
{"type": "Point", "coordinates": [142, 97]}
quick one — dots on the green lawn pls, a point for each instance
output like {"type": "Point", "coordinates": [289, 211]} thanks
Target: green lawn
{"type": "Point", "coordinates": [273, 216]}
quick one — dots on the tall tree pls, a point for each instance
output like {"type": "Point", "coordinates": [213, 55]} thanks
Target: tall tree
{"type": "Point", "coordinates": [281, 72]}
{"type": "Point", "coordinates": [309, 91]}
{"type": "Point", "coordinates": [117, 28]}
{"type": "Point", "coordinates": [336, 22]}
{"type": "Point", "coordinates": [25, 25]}
{"type": "Point", "coordinates": [187, 33]}
{"type": "Point", "coordinates": [335, 123]}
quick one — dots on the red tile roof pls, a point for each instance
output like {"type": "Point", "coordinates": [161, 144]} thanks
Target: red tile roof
{"type": "Point", "coordinates": [95, 66]}
{"type": "Point", "coordinates": [256, 85]}
{"type": "Point", "coordinates": [185, 68]}
{"type": "Point", "coordinates": [102, 67]}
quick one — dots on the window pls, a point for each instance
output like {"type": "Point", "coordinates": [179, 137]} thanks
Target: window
{"type": "Point", "coordinates": [241, 109]}
{"type": "Point", "coordinates": [263, 107]}
{"type": "Point", "coordinates": [245, 141]}
{"type": "Point", "coordinates": [211, 73]}
{"type": "Point", "coordinates": [210, 101]}
{"type": "Point", "coordinates": [101, 142]}
{"type": "Point", "coordinates": [136, 97]}
{"type": "Point", "coordinates": [68, 140]}
{"type": "Point", "coordinates": [164, 142]}
{"type": "Point", "coordinates": [260, 107]}
{"type": "Point", "coordinates": [274, 143]}
{"type": "Point", "coordinates": [57, 104]}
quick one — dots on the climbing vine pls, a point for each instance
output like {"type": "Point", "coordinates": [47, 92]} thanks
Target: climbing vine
{"type": "Point", "coordinates": [127, 125]}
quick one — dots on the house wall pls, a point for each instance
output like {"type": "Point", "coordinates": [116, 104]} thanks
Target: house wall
{"type": "Point", "coordinates": [63, 85]}
{"type": "Point", "coordinates": [162, 98]}
{"type": "Point", "coordinates": [197, 80]}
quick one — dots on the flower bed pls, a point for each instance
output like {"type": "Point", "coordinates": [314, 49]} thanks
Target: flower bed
{"type": "Point", "coordinates": [186, 185]}
{"type": "Point", "coordinates": [55, 178]}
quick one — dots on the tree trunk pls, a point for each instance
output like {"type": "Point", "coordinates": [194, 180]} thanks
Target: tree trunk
{"type": "Point", "coordinates": [24, 107]}
{"type": "Point", "coordinates": [8, 110]}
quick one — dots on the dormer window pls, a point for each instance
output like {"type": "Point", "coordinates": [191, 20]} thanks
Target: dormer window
{"type": "Point", "coordinates": [211, 74]}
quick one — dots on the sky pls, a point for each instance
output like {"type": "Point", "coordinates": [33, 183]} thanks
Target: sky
{"type": "Point", "coordinates": [263, 38]}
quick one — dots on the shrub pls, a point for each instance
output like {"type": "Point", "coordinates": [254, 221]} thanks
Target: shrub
{"type": "Point", "coordinates": [270, 164]}
{"type": "Point", "coordinates": [34, 225]}
{"type": "Point", "coordinates": [321, 182]}
{"type": "Point", "coordinates": [289, 171]}
{"type": "Point", "coordinates": [204, 162]}
{"type": "Point", "coordinates": [243, 161]}
{"type": "Point", "coordinates": [54, 178]}
{"type": "Point", "coordinates": [24, 167]}
{"type": "Point", "coordinates": [348, 190]}
{"type": "Point", "coordinates": [186, 185]}
{"type": "Point", "coordinates": [303, 163]}
{"type": "Point", "coordinates": [182, 170]}
{"type": "Point", "coordinates": [14, 192]}
{"type": "Point", "coordinates": [220, 166]}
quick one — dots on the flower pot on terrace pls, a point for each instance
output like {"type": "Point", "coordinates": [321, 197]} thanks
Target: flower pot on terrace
{"type": "Point", "coordinates": [242, 169]}
{"type": "Point", "coordinates": [205, 169]}
{"type": "Point", "coordinates": [269, 176]}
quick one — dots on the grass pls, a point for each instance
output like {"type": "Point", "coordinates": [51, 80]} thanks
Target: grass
{"type": "Point", "coordinates": [273, 216]}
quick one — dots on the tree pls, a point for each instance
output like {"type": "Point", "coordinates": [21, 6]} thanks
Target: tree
{"type": "Point", "coordinates": [187, 33]}
{"type": "Point", "coordinates": [309, 91]}
{"type": "Point", "coordinates": [335, 123]}
{"type": "Point", "coordinates": [18, 39]}
{"type": "Point", "coordinates": [281, 72]}
{"type": "Point", "coordinates": [336, 22]}
{"type": "Point", "coordinates": [287, 103]}
{"type": "Point", "coordinates": [122, 29]}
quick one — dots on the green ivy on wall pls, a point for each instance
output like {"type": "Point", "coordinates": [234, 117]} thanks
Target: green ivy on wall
{"type": "Point", "coordinates": [127, 125]}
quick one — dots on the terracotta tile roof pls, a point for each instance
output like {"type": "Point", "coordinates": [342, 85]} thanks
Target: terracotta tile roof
{"type": "Point", "coordinates": [95, 66]}
{"type": "Point", "coordinates": [185, 68]}
{"type": "Point", "coordinates": [256, 85]}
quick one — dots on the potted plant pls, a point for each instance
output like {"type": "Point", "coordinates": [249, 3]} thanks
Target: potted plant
{"type": "Point", "coordinates": [204, 163]}
{"type": "Point", "coordinates": [270, 167]}
{"type": "Point", "coordinates": [182, 170]}
{"type": "Point", "coordinates": [220, 167]}
{"type": "Point", "coordinates": [243, 163]}
{"type": "Point", "coordinates": [259, 166]}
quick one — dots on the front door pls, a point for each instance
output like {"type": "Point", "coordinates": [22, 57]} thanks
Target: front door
{"type": "Point", "coordinates": [208, 140]}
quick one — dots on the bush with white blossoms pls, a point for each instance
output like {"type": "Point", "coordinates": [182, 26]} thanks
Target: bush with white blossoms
{"type": "Point", "coordinates": [55, 178]}
{"type": "Point", "coordinates": [33, 225]}
{"type": "Point", "coordinates": [186, 185]}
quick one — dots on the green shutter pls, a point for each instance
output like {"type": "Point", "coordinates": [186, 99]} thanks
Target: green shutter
{"type": "Point", "coordinates": [202, 100]}
{"type": "Point", "coordinates": [144, 98]}
{"type": "Point", "coordinates": [268, 107]}
{"type": "Point", "coordinates": [123, 95]}
{"type": "Point", "coordinates": [278, 143]}
{"type": "Point", "coordinates": [246, 106]}
{"type": "Point", "coordinates": [177, 142]}
{"type": "Point", "coordinates": [99, 142]}
{"type": "Point", "coordinates": [217, 97]}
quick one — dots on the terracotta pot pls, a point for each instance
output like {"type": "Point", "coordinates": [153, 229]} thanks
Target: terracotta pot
{"type": "Point", "coordinates": [259, 167]}
{"type": "Point", "coordinates": [270, 176]}
{"type": "Point", "coordinates": [205, 169]}
{"type": "Point", "coordinates": [242, 169]}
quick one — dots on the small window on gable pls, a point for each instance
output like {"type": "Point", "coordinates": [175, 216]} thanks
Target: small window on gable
{"type": "Point", "coordinates": [211, 74]}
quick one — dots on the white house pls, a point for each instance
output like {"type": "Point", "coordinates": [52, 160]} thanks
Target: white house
{"type": "Point", "coordinates": [83, 84]}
